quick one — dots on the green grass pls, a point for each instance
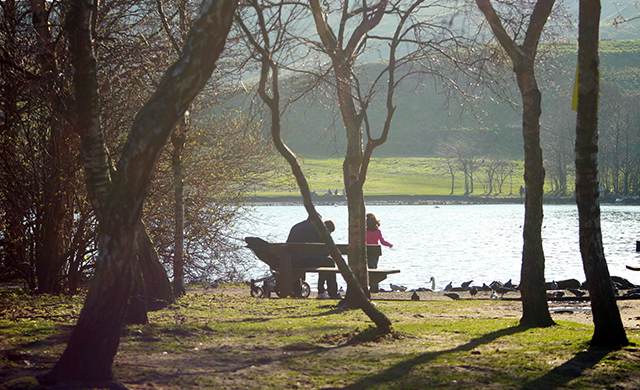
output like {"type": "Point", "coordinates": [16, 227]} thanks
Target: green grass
{"type": "Point", "coordinates": [389, 176]}
{"type": "Point", "coordinates": [228, 341]}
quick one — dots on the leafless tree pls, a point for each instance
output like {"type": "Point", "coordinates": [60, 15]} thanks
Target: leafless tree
{"type": "Point", "coordinates": [267, 36]}
{"type": "Point", "coordinates": [535, 311]}
{"type": "Point", "coordinates": [89, 354]}
{"type": "Point", "coordinates": [619, 139]}
{"type": "Point", "coordinates": [558, 141]}
{"type": "Point", "coordinates": [608, 329]}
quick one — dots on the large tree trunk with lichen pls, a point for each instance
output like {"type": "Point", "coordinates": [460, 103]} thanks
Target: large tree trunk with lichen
{"type": "Point", "coordinates": [89, 354]}
{"type": "Point", "coordinates": [96, 162]}
{"type": "Point", "coordinates": [608, 328]}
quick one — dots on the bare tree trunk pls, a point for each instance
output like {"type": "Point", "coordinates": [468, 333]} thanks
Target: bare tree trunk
{"type": "Point", "coordinates": [535, 311]}
{"type": "Point", "coordinates": [90, 351]}
{"type": "Point", "coordinates": [351, 168]}
{"type": "Point", "coordinates": [178, 139]}
{"type": "Point", "coordinates": [54, 227]}
{"type": "Point", "coordinates": [157, 290]}
{"type": "Point", "coordinates": [608, 328]}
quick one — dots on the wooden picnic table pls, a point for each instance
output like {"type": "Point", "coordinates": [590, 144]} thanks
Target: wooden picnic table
{"type": "Point", "coordinates": [287, 273]}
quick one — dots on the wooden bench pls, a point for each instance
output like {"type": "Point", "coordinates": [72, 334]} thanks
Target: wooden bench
{"type": "Point", "coordinates": [287, 273]}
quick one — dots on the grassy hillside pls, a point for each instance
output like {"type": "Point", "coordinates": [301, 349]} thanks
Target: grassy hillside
{"type": "Point", "coordinates": [388, 176]}
{"type": "Point", "coordinates": [313, 128]}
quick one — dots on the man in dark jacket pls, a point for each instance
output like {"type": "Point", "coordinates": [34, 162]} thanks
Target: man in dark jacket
{"type": "Point", "coordinates": [305, 231]}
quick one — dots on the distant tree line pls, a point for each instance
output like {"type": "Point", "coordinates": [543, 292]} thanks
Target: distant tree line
{"type": "Point", "coordinates": [470, 158]}
{"type": "Point", "coordinates": [464, 159]}
{"type": "Point", "coordinates": [618, 141]}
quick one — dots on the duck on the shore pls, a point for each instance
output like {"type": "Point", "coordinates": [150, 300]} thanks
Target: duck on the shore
{"type": "Point", "coordinates": [395, 287]}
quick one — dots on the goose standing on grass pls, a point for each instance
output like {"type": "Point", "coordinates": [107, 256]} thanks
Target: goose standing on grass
{"type": "Point", "coordinates": [502, 290]}
{"type": "Point", "coordinates": [473, 291]}
{"type": "Point", "coordinates": [415, 296]}
{"type": "Point", "coordinates": [449, 286]}
{"type": "Point", "coordinates": [454, 296]}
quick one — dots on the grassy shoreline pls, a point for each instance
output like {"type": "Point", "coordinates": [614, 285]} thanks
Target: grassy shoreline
{"type": "Point", "coordinates": [428, 200]}
{"type": "Point", "coordinates": [404, 200]}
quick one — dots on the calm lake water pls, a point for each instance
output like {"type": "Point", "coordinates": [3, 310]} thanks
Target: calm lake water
{"type": "Point", "coordinates": [457, 243]}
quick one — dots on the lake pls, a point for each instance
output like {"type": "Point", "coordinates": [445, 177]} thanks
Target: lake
{"type": "Point", "coordinates": [457, 243]}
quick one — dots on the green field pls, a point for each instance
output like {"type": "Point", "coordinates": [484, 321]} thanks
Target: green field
{"type": "Point", "coordinates": [390, 176]}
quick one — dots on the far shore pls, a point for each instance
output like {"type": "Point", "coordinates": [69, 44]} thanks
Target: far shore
{"type": "Point", "coordinates": [340, 200]}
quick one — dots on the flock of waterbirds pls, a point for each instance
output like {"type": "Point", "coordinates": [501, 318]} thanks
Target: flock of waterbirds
{"type": "Point", "coordinates": [556, 290]}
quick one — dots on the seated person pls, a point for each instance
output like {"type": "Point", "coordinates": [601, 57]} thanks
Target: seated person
{"type": "Point", "coordinates": [305, 231]}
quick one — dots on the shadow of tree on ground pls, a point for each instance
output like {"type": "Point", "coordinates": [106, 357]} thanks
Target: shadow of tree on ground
{"type": "Point", "coordinates": [401, 369]}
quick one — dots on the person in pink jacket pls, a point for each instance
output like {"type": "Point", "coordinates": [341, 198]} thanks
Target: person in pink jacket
{"type": "Point", "coordinates": [374, 237]}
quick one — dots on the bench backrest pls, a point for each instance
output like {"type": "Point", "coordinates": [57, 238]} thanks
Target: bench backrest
{"type": "Point", "coordinates": [312, 248]}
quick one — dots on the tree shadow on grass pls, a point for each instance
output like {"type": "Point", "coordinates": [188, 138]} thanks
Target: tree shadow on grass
{"type": "Point", "coordinates": [554, 379]}
{"type": "Point", "coordinates": [328, 310]}
{"type": "Point", "coordinates": [569, 370]}
{"type": "Point", "coordinates": [401, 369]}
